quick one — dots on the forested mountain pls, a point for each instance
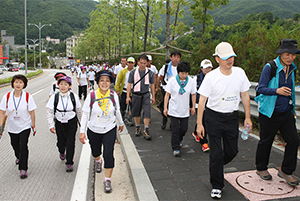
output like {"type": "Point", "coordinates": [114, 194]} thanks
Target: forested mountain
{"type": "Point", "coordinates": [66, 16]}
{"type": "Point", "coordinates": [69, 16]}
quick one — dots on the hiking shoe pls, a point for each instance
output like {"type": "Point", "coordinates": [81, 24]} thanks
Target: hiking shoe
{"type": "Point", "coordinates": [17, 161]}
{"type": "Point", "coordinates": [98, 166]}
{"type": "Point", "coordinates": [164, 123]}
{"type": "Point", "coordinates": [146, 134]}
{"type": "Point", "coordinates": [107, 186]}
{"type": "Point", "coordinates": [205, 147]}
{"type": "Point", "coordinates": [62, 156]}
{"type": "Point", "coordinates": [69, 168]}
{"type": "Point", "coordinates": [216, 193]}
{"type": "Point", "coordinates": [23, 174]}
{"type": "Point", "coordinates": [176, 153]}
{"type": "Point", "coordinates": [290, 179]}
{"type": "Point", "coordinates": [138, 132]}
{"type": "Point", "coordinates": [196, 137]}
{"type": "Point", "coordinates": [265, 175]}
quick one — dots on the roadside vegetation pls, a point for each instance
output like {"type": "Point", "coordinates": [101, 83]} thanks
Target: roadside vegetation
{"type": "Point", "coordinates": [29, 75]}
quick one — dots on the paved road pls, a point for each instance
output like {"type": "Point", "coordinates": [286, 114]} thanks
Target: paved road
{"type": "Point", "coordinates": [186, 178]}
{"type": "Point", "coordinates": [47, 179]}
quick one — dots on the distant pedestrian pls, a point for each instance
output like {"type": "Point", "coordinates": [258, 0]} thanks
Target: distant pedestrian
{"type": "Point", "coordinates": [91, 75]}
{"type": "Point", "coordinates": [141, 79]}
{"type": "Point", "coordinates": [55, 88]}
{"type": "Point", "coordinates": [223, 88]}
{"type": "Point", "coordinates": [120, 66]}
{"type": "Point", "coordinates": [277, 110]}
{"type": "Point", "coordinates": [100, 111]}
{"type": "Point", "coordinates": [83, 80]}
{"type": "Point", "coordinates": [206, 67]}
{"type": "Point", "coordinates": [19, 107]}
{"type": "Point", "coordinates": [180, 88]}
{"type": "Point", "coordinates": [62, 111]}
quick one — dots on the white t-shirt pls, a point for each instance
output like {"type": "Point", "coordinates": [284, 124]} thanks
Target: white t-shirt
{"type": "Point", "coordinates": [64, 103]}
{"type": "Point", "coordinates": [174, 72]}
{"type": "Point", "coordinates": [18, 119]}
{"type": "Point", "coordinates": [179, 105]}
{"type": "Point", "coordinates": [118, 69]}
{"type": "Point", "coordinates": [126, 82]}
{"type": "Point", "coordinates": [82, 78]}
{"type": "Point", "coordinates": [153, 69]}
{"type": "Point", "coordinates": [98, 122]}
{"type": "Point", "coordinates": [91, 75]}
{"type": "Point", "coordinates": [223, 91]}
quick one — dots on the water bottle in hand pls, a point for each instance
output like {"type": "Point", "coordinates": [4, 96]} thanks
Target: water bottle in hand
{"type": "Point", "coordinates": [245, 133]}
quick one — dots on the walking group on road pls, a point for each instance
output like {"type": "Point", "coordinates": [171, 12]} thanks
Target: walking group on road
{"type": "Point", "coordinates": [214, 95]}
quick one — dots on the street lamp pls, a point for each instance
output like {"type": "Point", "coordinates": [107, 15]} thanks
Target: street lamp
{"type": "Point", "coordinates": [34, 41]}
{"type": "Point", "coordinates": [40, 28]}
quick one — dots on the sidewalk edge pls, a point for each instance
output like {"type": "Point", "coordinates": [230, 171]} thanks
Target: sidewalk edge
{"type": "Point", "coordinates": [141, 183]}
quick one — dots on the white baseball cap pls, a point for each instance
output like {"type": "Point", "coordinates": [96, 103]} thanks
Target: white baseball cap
{"type": "Point", "coordinates": [224, 50]}
{"type": "Point", "coordinates": [206, 64]}
{"type": "Point", "coordinates": [149, 57]}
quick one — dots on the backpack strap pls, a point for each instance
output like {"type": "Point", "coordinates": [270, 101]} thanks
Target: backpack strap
{"type": "Point", "coordinates": [165, 72]}
{"type": "Point", "coordinates": [7, 98]}
{"type": "Point", "coordinates": [56, 96]}
{"type": "Point", "coordinates": [112, 97]}
{"type": "Point", "coordinates": [74, 106]}
{"type": "Point", "coordinates": [92, 101]}
{"type": "Point", "coordinates": [54, 87]}
{"type": "Point", "coordinates": [273, 69]}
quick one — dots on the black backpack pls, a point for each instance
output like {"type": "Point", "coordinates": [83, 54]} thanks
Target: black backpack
{"type": "Point", "coordinates": [272, 74]}
{"type": "Point", "coordinates": [56, 96]}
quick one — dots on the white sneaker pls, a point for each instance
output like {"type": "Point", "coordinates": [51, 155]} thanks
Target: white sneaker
{"type": "Point", "coordinates": [216, 193]}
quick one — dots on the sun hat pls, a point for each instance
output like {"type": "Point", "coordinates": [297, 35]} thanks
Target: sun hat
{"type": "Point", "coordinates": [149, 57]}
{"type": "Point", "coordinates": [224, 50]}
{"type": "Point", "coordinates": [206, 64]}
{"type": "Point", "coordinates": [288, 45]}
{"type": "Point", "coordinates": [131, 59]}
{"type": "Point", "coordinates": [59, 74]}
{"type": "Point", "coordinates": [66, 78]}
{"type": "Point", "coordinates": [104, 73]}
{"type": "Point", "coordinates": [82, 67]}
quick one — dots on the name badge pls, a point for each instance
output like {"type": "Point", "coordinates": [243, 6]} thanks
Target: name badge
{"type": "Point", "coordinates": [17, 118]}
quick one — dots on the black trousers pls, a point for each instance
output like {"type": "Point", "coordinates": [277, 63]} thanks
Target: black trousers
{"type": "Point", "coordinates": [123, 104]}
{"type": "Point", "coordinates": [108, 140]}
{"type": "Point", "coordinates": [179, 127]}
{"type": "Point", "coordinates": [204, 140]}
{"type": "Point", "coordinates": [221, 126]}
{"type": "Point", "coordinates": [66, 133]}
{"type": "Point", "coordinates": [19, 142]}
{"type": "Point", "coordinates": [285, 123]}
{"type": "Point", "coordinates": [82, 90]}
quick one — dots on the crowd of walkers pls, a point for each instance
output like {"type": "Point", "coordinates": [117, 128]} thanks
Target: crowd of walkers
{"type": "Point", "coordinates": [126, 91]}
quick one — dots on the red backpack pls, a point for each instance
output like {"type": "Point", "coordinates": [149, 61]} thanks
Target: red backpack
{"type": "Point", "coordinates": [8, 95]}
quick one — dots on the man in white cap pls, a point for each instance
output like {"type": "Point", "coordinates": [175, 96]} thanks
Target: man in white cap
{"type": "Point", "coordinates": [223, 87]}
{"type": "Point", "coordinates": [154, 70]}
{"type": "Point", "coordinates": [206, 66]}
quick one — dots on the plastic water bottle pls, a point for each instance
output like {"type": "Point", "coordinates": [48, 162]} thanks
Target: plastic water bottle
{"type": "Point", "coordinates": [245, 133]}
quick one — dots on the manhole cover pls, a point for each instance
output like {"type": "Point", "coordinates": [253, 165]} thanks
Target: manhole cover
{"type": "Point", "coordinates": [250, 181]}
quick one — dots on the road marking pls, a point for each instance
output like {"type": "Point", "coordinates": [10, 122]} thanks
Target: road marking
{"type": "Point", "coordinates": [82, 176]}
{"type": "Point", "coordinates": [37, 92]}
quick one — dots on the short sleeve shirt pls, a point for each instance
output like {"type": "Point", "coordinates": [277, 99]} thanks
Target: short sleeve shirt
{"type": "Point", "coordinates": [223, 91]}
{"type": "Point", "coordinates": [144, 87]}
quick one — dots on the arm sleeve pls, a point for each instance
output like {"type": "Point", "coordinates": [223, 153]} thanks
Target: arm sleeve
{"type": "Point", "coordinates": [264, 81]}
{"type": "Point", "coordinates": [83, 121]}
{"type": "Point", "coordinates": [50, 115]}
{"type": "Point", "coordinates": [118, 113]}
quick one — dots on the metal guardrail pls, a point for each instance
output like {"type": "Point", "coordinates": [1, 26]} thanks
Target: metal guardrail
{"type": "Point", "coordinates": [253, 104]}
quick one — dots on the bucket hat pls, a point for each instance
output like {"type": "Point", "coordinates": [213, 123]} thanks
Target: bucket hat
{"type": "Point", "coordinates": [288, 45]}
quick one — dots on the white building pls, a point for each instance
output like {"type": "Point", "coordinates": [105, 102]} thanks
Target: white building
{"type": "Point", "coordinates": [52, 40]}
{"type": "Point", "coordinates": [70, 43]}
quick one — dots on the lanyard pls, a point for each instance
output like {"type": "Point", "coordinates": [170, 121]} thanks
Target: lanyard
{"type": "Point", "coordinates": [62, 102]}
{"type": "Point", "coordinates": [16, 107]}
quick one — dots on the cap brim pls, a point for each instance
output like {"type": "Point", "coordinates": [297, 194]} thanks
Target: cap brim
{"type": "Point", "coordinates": [225, 58]}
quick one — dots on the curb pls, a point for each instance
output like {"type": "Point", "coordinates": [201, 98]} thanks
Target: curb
{"type": "Point", "coordinates": [141, 183]}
